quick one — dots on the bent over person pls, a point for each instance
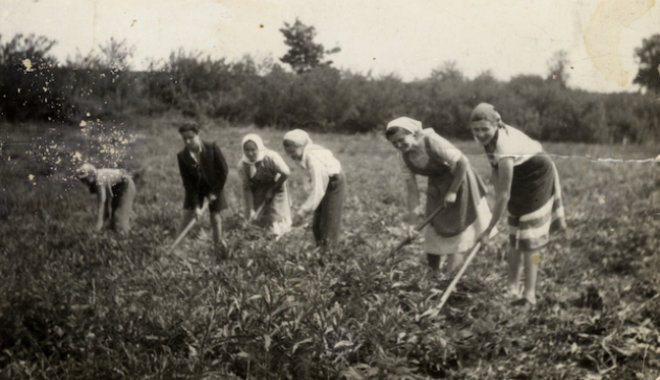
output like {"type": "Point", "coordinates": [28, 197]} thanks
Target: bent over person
{"type": "Point", "coordinates": [204, 172]}
{"type": "Point", "coordinates": [527, 186]}
{"type": "Point", "coordinates": [453, 186]}
{"type": "Point", "coordinates": [264, 174]}
{"type": "Point", "coordinates": [327, 189]}
{"type": "Point", "coordinates": [115, 191]}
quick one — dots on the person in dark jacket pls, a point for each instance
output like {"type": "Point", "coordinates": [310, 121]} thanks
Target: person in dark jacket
{"type": "Point", "coordinates": [204, 172]}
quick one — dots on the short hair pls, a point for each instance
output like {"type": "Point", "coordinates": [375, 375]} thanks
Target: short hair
{"type": "Point", "coordinates": [188, 126]}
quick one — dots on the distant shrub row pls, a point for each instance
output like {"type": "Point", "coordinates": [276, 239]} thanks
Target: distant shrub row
{"type": "Point", "coordinates": [34, 86]}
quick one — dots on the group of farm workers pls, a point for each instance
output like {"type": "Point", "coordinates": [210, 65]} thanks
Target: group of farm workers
{"type": "Point", "coordinates": [525, 180]}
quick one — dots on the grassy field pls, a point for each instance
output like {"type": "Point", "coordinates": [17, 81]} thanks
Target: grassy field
{"type": "Point", "coordinates": [75, 304]}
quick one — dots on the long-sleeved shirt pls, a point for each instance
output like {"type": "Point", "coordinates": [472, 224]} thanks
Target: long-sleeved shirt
{"type": "Point", "coordinates": [202, 175]}
{"type": "Point", "coordinates": [320, 164]}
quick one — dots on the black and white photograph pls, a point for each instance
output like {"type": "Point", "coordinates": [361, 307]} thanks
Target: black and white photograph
{"type": "Point", "coordinates": [330, 189]}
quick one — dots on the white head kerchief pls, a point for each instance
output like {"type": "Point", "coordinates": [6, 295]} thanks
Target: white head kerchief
{"type": "Point", "coordinates": [411, 125]}
{"type": "Point", "coordinates": [261, 151]}
{"type": "Point", "coordinates": [298, 137]}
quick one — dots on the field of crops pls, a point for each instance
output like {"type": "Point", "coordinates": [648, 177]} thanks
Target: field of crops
{"type": "Point", "coordinates": [81, 305]}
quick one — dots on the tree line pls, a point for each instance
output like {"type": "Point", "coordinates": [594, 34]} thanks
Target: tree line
{"type": "Point", "coordinates": [312, 94]}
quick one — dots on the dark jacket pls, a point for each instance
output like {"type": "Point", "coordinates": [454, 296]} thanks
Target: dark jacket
{"type": "Point", "coordinates": [203, 178]}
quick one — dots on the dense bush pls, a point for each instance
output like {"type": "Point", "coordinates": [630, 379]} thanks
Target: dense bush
{"type": "Point", "coordinates": [28, 84]}
{"type": "Point", "coordinates": [320, 98]}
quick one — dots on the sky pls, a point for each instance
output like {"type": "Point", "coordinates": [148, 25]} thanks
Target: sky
{"type": "Point", "coordinates": [408, 38]}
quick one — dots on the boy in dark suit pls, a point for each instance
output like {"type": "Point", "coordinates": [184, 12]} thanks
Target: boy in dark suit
{"type": "Point", "coordinates": [204, 172]}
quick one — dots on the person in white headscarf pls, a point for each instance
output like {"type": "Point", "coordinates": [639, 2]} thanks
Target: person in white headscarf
{"type": "Point", "coordinates": [264, 174]}
{"type": "Point", "coordinates": [452, 184]}
{"type": "Point", "coordinates": [115, 191]}
{"type": "Point", "coordinates": [327, 190]}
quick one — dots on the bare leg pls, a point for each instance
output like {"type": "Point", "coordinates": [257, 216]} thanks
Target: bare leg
{"type": "Point", "coordinates": [443, 258]}
{"type": "Point", "coordinates": [514, 271]}
{"type": "Point", "coordinates": [532, 262]}
{"type": "Point", "coordinates": [107, 214]}
{"type": "Point", "coordinates": [455, 262]}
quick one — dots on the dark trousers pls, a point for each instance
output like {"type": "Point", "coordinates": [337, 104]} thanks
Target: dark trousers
{"type": "Point", "coordinates": [121, 205]}
{"type": "Point", "coordinates": [327, 216]}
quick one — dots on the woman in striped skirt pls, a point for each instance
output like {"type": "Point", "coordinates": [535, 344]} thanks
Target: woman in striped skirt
{"type": "Point", "coordinates": [527, 185]}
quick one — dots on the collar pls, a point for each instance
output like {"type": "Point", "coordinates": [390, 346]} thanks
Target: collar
{"type": "Point", "coordinates": [195, 155]}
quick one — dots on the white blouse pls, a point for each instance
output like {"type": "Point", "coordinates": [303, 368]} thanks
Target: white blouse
{"type": "Point", "coordinates": [515, 144]}
{"type": "Point", "coordinates": [320, 164]}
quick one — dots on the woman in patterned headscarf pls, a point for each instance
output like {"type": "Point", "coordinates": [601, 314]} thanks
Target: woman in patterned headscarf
{"type": "Point", "coordinates": [527, 185]}
{"type": "Point", "coordinates": [451, 183]}
{"type": "Point", "coordinates": [264, 174]}
{"type": "Point", "coordinates": [327, 191]}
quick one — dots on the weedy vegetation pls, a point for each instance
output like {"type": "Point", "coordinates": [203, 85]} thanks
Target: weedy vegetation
{"type": "Point", "coordinates": [77, 305]}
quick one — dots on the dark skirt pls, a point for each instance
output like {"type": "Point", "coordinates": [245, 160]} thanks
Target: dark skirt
{"type": "Point", "coordinates": [458, 216]}
{"type": "Point", "coordinates": [532, 185]}
{"type": "Point", "coordinates": [327, 216]}
{"type": "Point", "coordinates": [535, 208]}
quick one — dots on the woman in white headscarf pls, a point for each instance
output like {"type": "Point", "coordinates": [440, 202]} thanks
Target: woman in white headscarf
{"type": "Point", "coordinates": [327, 191]}
{"type": "Point", "coordinates": [264, 174]}
{"type": "Point", "coordinates": [452, 184]}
